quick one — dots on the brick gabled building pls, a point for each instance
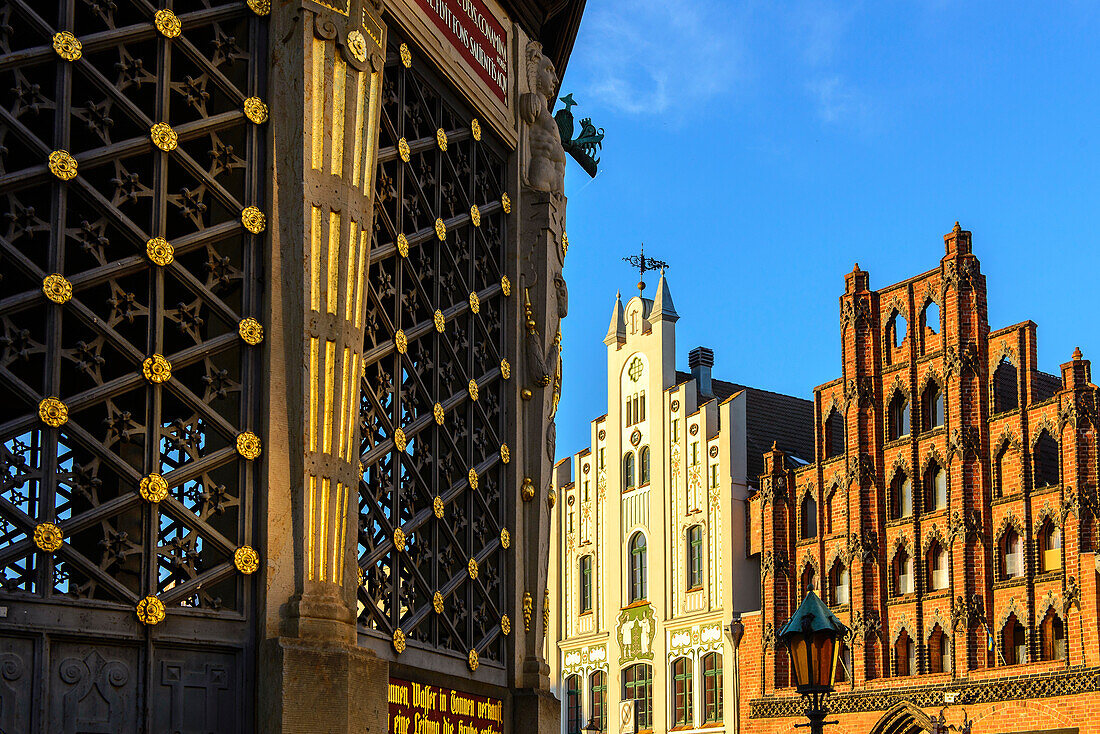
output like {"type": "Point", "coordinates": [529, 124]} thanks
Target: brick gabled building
{"type": "Point", "coordinates": [949, 518]}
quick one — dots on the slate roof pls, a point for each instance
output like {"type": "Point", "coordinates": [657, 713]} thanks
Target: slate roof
{"type": "Point", "coordinates": [770, 417]}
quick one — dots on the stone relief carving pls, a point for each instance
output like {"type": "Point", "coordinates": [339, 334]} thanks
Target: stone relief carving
{"type": "Point", "coordinates": [544, 169]}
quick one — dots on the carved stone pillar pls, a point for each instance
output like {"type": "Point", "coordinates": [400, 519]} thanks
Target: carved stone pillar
{"type": "Point", "coordinates": [326, 68]}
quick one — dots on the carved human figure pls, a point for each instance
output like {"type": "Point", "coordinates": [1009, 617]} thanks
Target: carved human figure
{"type": "Point", "coordinates": [563, 296]}
{"type": "Point", "coordinates": [545, 169]}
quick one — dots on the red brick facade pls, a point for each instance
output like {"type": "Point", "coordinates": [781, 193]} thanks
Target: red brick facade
{"type": "Point", "coordinates": [953, 497]}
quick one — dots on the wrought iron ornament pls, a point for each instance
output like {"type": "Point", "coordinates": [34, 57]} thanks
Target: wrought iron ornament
{"type": "Point", "coordinates": [644, 264]}
{"type": "Point", "coordinates": [588, 141]}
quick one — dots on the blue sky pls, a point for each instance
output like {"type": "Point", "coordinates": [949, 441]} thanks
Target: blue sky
{"type": "Point", "coordinates": [762, 148]}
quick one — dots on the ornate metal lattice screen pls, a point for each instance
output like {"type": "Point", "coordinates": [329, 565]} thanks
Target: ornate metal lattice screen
{"type": "Point", "coordinates": [434, 406]}
{"type": "Point", "coordinates": [129, 254]}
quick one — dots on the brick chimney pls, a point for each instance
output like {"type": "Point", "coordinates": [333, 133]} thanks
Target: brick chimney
{"type": "Point", "coordinates": [700, 360]}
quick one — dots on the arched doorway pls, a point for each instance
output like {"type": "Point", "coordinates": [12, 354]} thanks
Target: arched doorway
{"type": "Point", "coordinates": [903, 718]}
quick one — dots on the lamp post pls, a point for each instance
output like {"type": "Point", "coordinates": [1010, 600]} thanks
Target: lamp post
{"type": "Point", "coordinates": [812, 637]}
{"type": "Point", "coordinates": [592, 727]}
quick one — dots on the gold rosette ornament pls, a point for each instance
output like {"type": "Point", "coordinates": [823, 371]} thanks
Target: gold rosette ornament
{"type": "Point", "coordinates": [475, 303]}
{"type": "Point", "coordinates": [406, 55]}
{"type": "Point", "coordinates": [168, 25]}
{"type": "Point", "coordinates": [399, 539]}
{"type": "Point", "coordinates": [357, 44]}
{"type": "Point", "coordinates": [403, 149]}
{"type": "Point", "coordinates": [251, 331]}
{"type": "Point", "coordinates": [153, 488]}
{"type": "Point", "coordinates": [57, 288]}
{"type": "Point", "coordinates": [53, 412]}
{"type": "Point", "coordinates": [67, 46]}
{"type": "Point", "coordinates": [437, 602]}
{"type": "Point", "coordinates": [47, 537]}
{"type": "Point", "coordinates": [472, 478]}
{"type": "Point", "coordinates": [471, 568]}
{"type": "Point", "coordinates": [440, 321]}
{"type": "Point", "coordinates": [160, 251]}
{"type": "Point", "coordinates": [505, 625]}
{"type": "Point", "coordinates": [440, 229]}
{"type": "Point", "coordinates": [505, 454]}
{"type": "Point", "coordinates": [150, 611]}
{"type": "Point", "coordinates": [399, 439]}
{"type": "Point", "coordinates": [505, 369]}
{"type": "Point", "coordinates": [253, 219]}
{"type": "Point", "coordinates": [248, 445]}
{"type": "Point", "coordinates": [441, 139]}
{"type": "Point", "coordinates": [471, 660]}
{"type": "Point", "coordinates": [505, 285]}
{"type": "Point", "coordinates": [401, 341]}
{"type": "Point", "coordinates": [475, 215]}
{"type": "Point", "coordinates": [437, 507]}
{"type": "Point", "coordinates": [403, 245]}
{"type": "Point", "coordinates": [472, 389]}
{"type": "Point", "coordinates": [399, 641]}
{"type": "Point", "coordinates": [62, 165]}
{"type": "Point", "coordinates": [255, 110]}
{"type": "Point", "coordinates": [505, 538]}
{"type": "Point", "coordinates": [506, 202]}
{"type": "Point", "coordinates": [157, 369]}
{"type": "Point", "coordinates": [437, 411]}
{"type": "Point", "coordinates": [260, 7]}
{"type": "Point", "coordinates": [164, 137]}
{"type": "Point", "coordinates": [246, 559]}
{"type": "Point", "coordinates": [475, 128]}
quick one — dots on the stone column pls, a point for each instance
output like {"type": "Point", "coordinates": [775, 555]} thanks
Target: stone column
{"type": "Point", "coordinates": [326, 69]}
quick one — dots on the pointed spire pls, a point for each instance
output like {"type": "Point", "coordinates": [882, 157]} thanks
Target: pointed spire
{"type": "Point", "coordinates": [616, 331]}
{"type": "Point", "coordinates": [663, 308]}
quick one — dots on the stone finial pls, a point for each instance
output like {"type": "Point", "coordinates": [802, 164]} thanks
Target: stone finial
{"type": "Point", "coordinates": [957, 228]}
{"type": "Point", "coordinates": [855, 268]}
{"type": "Point", "coordinates": [1077, 354]}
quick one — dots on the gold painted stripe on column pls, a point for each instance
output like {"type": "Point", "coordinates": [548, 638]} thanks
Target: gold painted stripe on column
{"type": "Point", "coordinates": [318, 127]}
{"type": "Point", "coordinates": [333, 259]}
{"type": "Point", "coordinates": [313, 377]}
{"type": "Point", "coordinates": [353, 249]}
{"type": "Point", "coordinates": [341, 409]}
{"type": "Point", "coordinates": [330, 375]}
{"type": "Point", "coordinates": [343, 535]}
{"type": "Point", "coordinates": [364, 237]}
{"type": "Point", "coordinates": [312, 523]}
{"type": "Point", "coordinates": [357, 133]}
{"type": "Point", "coordinates": [315, 259]}
{"type": "Point", "coordinates": [322, 527]}
{"type": "Point", "coordinates": [337, 531]}
{"type": "Point", "coordinates": [372, 132]}
{"type": "Point", "coordinates": [339, 82]}
{"type": "Point", "coordinates": [353, 406]}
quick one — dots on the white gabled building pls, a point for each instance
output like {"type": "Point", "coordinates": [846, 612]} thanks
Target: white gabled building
{"type": "Point", "coordinates": [649, 560]}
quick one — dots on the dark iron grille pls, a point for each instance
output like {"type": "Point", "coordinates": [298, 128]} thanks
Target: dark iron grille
{"type": "Point", "coordinates": [400, 390]}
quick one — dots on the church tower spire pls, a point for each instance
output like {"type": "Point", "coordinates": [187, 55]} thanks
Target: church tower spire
{"type": "Point", "coordinates": [663, 308]}
{"type": "Point", "coordinates": [616, 331]}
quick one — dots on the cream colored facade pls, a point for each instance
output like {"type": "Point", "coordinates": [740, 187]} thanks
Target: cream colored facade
{"type": "Point", "coordinates": [697, 434]}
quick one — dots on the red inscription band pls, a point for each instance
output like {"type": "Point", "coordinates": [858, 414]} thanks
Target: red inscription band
{"type": "Point", "coordinates": [479, 38]}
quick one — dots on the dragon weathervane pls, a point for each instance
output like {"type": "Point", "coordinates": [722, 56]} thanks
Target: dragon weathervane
{"type": "Point", "coordinates": [584, 147]}
{"type": "Point", "coordinates": [643, 264]}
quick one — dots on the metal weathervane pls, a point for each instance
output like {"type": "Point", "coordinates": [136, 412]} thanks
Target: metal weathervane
{"type": "Point", "coordinates": [584, 147]}
{"type": "Point", "coordinates": [643, 264]}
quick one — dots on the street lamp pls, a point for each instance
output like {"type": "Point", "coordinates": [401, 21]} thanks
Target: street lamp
{"type": "Point", "coordinates": [812, 637]}
{"type": "Point", "coordinates": [592, 727]}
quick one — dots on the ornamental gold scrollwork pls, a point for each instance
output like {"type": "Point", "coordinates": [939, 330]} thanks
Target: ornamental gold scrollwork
{"type": "Point", "coordinates": [153, 488]}
{"type": "Point", "coordinates": [437, 602]}
{"type": "Point", "coordinates": [506, 202]}
{"type": "Point", "coordinates": [251, 331]}
{"type": "Point", "coordinates": [403, 149]}
{"type": "Point", "coordinates": [167, 24]}
{"type": "Point", "coordinates": [505, 625]}
{"type": "Point", "coordinates": [401, 341]}
{"type": "Point", "coordinates": [471, 388]}
{"type": "Point", "coordinates": [399, 439]}
{"type": "Point", "coordinates": [57, 288]}
{"type": "Point", "coordinates": [53, 412]}
{"type": "Point", "coordinates": [505, 453]}
{"type": "Point", "coordinates": [475, 303]}
{"type": "Point", "coordinates": [440, 229]}
{"type": "Point", "coordinates": [475, 215]}
{"type": "Point", "coordinates": [47, 537]}
{"type": "Point", "coordinates": [471, 568]}
{"type": "Point", "coordinates": [505, 285]}
{"type": "Point", "coordinates": [439, 321]}
{"type": "Point", "coordinates": [528, 607]}
{"type": "Point", "coordinates": [402, 245]}
{"type": "Point", "coordinates": [399, 641]}
{"type": "Point", "coordinates": [160, 251]}
{"type": "Point", "coordinates": [399, 539]}
{"type": "Point", "coordinates": [505, 369]}
{"type": "Point", "coordinates": [67, 46]}
{"type": "Point", "coordinates": [441, 139]}
{"type": "Point", "coordinates": [255, 110]}
{"type": "Point", "coordinates": [260, 7]}
{"type": "Point", "coordinates": [505, 538]}
{"type": "Point", "coordinates": [475, 128]}
{"type": "Point", "coordinates": [471, 661]}
{"type": "Point", "coordinates": [437, 413]}
{"type": "Point", "coordinates": [164, 137]}
{"type": "Point", "coordinates": [62, 165]}
{"type": "Point", "coordinates": [150, 611]}
{"type": "Point", "coordinates": [157, 369]}
{"type": "Point", "coordinates": [246, 559]}
{"type": "Point", "coordinates": [253, 219]}
{"type": "Point", "coordinates": [437, 507]}
{"type": "Point", "coordinates": [472, 478]}
{"type": "Point", "coordinates": [406, 55]}
{"type": "Point", "coordinates": [357, 45]}
{"type": "Point", "coordinates": [545, 611]}
{"type": "Point", "coordinates": [248, 445]}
